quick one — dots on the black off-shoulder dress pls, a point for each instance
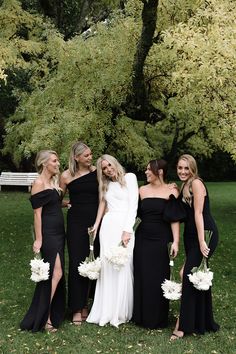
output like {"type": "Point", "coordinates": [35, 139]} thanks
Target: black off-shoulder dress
{"type": "Point", "coordinates": [151, 260]}
{"type": "Point", "coordinates": [53, 241]}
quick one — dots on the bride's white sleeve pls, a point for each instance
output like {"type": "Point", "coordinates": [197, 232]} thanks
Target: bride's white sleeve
{"type": "Point", "coordinates": [133, 194]}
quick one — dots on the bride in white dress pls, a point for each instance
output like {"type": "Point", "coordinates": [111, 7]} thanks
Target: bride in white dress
{"type": "Point", "coordinates": [113, 301]}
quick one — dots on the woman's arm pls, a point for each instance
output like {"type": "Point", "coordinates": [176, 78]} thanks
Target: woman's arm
{"type": "Point", "coordinates": [37, 187]}
{"type": "Point", "coordinates": [100, 213]}
{"type": "Point", "coordinates": [175, 227]}
{"type": "Point", "coordinates": [63, 186]}
{"type": "Point", "coordinates": [199, 193]}
{"type": "Point", "coordinates": [133, 195]}
{"type": "Point", "coordinates": [37, 230]}
{"type": "Point", "coordinates": [63, 182]}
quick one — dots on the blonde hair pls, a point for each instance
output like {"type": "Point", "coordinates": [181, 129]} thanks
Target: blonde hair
{"type": "Point", "coordinates": [104, 180]}
{"type": "Point", "coordinates": [41, 160]}
{"type": "Point", "coordinates": [192, 164]}
{"type": "Point", "coordinates": [77, 149]}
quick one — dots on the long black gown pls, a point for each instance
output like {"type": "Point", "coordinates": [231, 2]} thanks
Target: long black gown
{"type": "Point", "coordinates": [83, 194]}
{"type": "Point", "coordinates": [53, 241]}
{"type": "Point", "coordinates": [151, 260]}
{"type": "Point", "coordinates": [196, 314]}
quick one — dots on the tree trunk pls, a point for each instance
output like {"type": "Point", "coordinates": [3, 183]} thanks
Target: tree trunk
{"type": "Point", "coordinates": [138, 105]}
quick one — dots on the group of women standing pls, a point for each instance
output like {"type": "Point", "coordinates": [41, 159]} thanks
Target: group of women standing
{"type": "Point", "coordinates": [108, 198]}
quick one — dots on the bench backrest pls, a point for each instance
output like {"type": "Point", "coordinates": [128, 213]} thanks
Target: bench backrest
{"type": "Point", "coordinates": [18, 178]}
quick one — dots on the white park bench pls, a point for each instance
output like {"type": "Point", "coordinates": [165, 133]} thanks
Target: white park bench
{"type": "Point", "coordinates": [17, 179]}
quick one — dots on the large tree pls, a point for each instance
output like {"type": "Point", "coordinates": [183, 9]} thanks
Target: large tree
{"type": "Point", "coordinates": [177, 94]}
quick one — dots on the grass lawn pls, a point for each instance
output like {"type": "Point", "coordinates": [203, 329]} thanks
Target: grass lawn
{"type": "Point", "coordinates": [16, 218]}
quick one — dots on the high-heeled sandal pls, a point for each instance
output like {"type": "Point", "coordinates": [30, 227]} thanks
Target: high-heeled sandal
{"type": "Point", "coordinates": [49, 328]}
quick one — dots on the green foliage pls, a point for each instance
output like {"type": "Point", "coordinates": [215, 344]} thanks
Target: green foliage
{"type": "Point", "coordinates": [29, 47]}
{"type": "Point", "coordinates": [78, 102]}
{"type": "Point", "coordinates": [195, 66]}
{"type": "Point", "coordinates": [78, 89]}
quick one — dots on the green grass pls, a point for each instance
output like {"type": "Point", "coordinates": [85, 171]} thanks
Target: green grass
{"type": "Point", "coordinates": [16, 291]}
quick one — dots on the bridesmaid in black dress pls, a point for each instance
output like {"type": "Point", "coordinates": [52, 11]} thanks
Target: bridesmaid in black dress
{"type": "Point", "coordinates": [151, 258]}
{"type": "Point", "coordinates": [196, 315]}
{"type": "Point", "coordinates": [81, 182]}
{"type": "Point", "coordinates": [48, 305]}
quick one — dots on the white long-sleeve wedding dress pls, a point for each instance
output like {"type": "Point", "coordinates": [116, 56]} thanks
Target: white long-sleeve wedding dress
{"type": "Point", "coordinates": [113, 301]}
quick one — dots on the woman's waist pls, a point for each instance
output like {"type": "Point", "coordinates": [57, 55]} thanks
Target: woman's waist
{"type": "Point", "coordinates": [116, 211]}
{"type": "Point", "coordinates": [83, 208]}
{"type": "Point", "coordinates": [154, 230]}
{"type": "Point", "coordinates": [83, 203]}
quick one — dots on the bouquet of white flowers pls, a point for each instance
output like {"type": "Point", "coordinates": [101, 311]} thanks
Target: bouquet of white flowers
{"type": "Point", "coordinates": [39, 269]}
{"type": "Point", "coordinates": [118, 256]}
{"type": "Point", "coordinates": [201, 276]}
{"type": "Point", "coordinates": [171, 289]}
{"type": "Point", "coordinates": [91, 267]}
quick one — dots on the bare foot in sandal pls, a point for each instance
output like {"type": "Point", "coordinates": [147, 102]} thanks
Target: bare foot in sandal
{"type": "Point", "coordinates": [176, 335]}
{"type": "Point", "coordinates": [49, 328]}
{"type": "Point", "coordinates": [77, 318]}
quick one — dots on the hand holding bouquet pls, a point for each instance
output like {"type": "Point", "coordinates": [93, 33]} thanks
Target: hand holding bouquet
{"type": "Point", "coordinates": [91, 267]}
{"type": "Point", "coordinates": [201, 276]}
{"type": "Point", "coordinates": [171, 289]}
{"type": "Point", "coordinates": [39, 269]}
{"type": "Point", "coordinates": [118, 256]}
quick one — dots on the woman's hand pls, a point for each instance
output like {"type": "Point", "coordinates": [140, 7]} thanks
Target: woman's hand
{"type": "Point", "coordinates": [126, 236]}
{"type": "Point", "coordinates": [204, 248]}
{"type": "Point", "coordinates": [37, 246]}
{"type": "Point", "coordinates": [94, 230]}
{"type": "Point", "coordinates": [174, 249]}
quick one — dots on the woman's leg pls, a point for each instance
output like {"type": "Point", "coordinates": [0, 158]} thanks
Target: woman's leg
{"type": "Point", "coordinates": [56, 277]}
{"type": "Point", "coordinates": [176, 333]}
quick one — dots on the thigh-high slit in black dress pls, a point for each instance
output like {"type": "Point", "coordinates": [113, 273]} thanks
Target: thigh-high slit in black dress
{"type": "Point", "coordinates": [53, 240]}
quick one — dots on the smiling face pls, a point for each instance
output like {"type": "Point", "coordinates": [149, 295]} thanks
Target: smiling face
{"type": "Point", "coordinates": [151, 177]}
{"type": "Point", "coordinates": [183, 170]}
{"type": "Point", "coordinates": [52, 164]}
{"type": "Point", "coordinates": [85, 159]}
{"type": "Point", "coordinates": [108, 169]}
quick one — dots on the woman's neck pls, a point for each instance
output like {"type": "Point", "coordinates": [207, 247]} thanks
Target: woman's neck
{"type": "Point", "coordinates": [82, 170]}
{"type": "Point", "coordinates": [156, 183]}
{"type": "Point", "coordinates": [46, 178]}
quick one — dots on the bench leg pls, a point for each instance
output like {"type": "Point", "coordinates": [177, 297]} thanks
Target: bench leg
{"type": "Point", "coordinates": [29, 189]}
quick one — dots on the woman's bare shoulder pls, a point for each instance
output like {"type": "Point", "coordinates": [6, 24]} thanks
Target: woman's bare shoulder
{"type": "Point", "coordinates": [37, 186]}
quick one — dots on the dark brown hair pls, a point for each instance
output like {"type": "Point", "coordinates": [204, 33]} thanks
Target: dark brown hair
{"type": "Point", "coordinates": [156, 165]}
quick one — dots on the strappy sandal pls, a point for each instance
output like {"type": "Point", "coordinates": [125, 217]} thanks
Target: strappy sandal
{"type": "Point", "coordinates": [175, 336]}
{"type": "Point", "coordinates": [49, 328]}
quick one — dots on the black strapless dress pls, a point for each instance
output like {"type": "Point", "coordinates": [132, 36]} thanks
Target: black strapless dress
{"type": "Point", "coordinates": [196, 314]}
{"type": "Point", "coordinates": [53, 242]}
{"type": "Point", "coordinates": [83, 194]}
{"type": "Point", "coordinates": [151, 260]}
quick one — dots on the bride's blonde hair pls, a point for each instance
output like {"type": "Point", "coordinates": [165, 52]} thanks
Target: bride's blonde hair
{"type": "Point", "coordinates": [41, 160]}
{"type": "Point", "coordinates": [104, 180]}
{"type": "Point", "coordinates": [187, 186]}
